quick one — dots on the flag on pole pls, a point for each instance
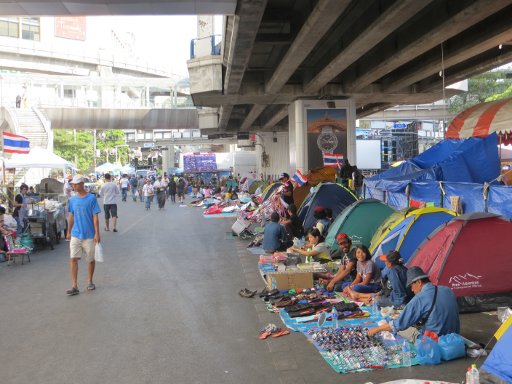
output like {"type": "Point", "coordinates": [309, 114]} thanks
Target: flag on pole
{"type": "Point", "coordinates": [332, 159]}
{"type": "Point", "coordinates": [299, 178]}
{"type": "Point", "coordinates": [15, 143]}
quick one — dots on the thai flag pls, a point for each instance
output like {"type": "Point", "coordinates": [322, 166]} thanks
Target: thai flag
{"type": "Point", "coordinates": [15, 143]}
{"type": "Point", "coordinates": [332, 159]}
{"type": "Point", "coordinates": [299, 178]}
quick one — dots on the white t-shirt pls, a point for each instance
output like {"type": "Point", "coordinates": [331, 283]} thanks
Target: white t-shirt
{"type": "Point", "coordinates": [109, 191]}
{"type": "Point", "coordinates": [124, 182]}
{"type": "Point", "coordinates": [147, 190]}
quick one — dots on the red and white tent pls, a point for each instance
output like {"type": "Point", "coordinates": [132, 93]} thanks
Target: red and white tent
{"type": "Point", "coordinates": [483, 119]}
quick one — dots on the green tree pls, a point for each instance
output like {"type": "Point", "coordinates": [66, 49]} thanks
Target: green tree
{"type": "Point", "coordinates": [75, 148]}
{"type": "Point", "coordinates": [107, 141]}
{"type": "Point", "coordinates": [481, 88]}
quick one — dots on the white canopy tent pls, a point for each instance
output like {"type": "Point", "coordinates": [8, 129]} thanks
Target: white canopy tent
{"type": "Point", "coordinates": [39, 162]}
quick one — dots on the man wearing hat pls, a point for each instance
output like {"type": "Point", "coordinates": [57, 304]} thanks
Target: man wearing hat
{"type": "Point", "coordinates": [433, 309]}
{"type": "Point", "coordinates": [83, 232]}
{"type": "Point", "coordinates": [347, 271]}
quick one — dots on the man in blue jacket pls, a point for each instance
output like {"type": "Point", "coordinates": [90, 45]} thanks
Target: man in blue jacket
{"type": "Point", "coordinates": [433, 309]}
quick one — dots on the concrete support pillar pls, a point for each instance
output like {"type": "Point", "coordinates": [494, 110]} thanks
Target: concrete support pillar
{"type": "Point", "coordinates": [172, 156]}
{"type": "Point", "coordinates": [205, 30]}
{"type": "Point", "coordinates": [165, 160]}
{"type": "Point", "coordinates": [147, 97]}
{"type": "Point", "coordinates": [320, 111]}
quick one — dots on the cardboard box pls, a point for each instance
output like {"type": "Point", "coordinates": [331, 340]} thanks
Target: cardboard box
{"type": "Point", "coordinates": [290, 280]}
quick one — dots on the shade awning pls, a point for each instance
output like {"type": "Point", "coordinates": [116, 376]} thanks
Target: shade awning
{"type": "Point", "coordinates": [483, 119]}
{"type": "Point", "coordinates": [37, 158]}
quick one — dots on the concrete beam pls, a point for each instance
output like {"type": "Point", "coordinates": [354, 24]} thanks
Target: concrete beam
{"type": "Point", "coordinates": [462, 20]}
{"type": "Point", "coordinates": [248, 14]}
{"type": "Point", "coordinates": [480, 41]}
{"type": "Point", "coordinates": [280, 115]}
{"type": "Point", "coordinates": [376, 32]}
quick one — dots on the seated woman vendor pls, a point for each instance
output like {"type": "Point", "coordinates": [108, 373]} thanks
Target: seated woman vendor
{"type": "Point", "coordinates": [368, 274]}
{"type": "Point", "coordinates": [316, 248]}
{"type": "Point", "coordinates": [394, 291]}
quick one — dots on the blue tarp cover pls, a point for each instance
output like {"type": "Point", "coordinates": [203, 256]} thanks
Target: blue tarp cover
{"type": "Point", "coordinates": [472, 160]}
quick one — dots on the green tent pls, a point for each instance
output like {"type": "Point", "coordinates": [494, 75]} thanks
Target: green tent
{"type": "Point", "coordinates": [359, 221]}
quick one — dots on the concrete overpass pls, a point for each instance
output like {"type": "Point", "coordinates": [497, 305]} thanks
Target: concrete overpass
{"type": "Point", "coordinates": [380, 53]}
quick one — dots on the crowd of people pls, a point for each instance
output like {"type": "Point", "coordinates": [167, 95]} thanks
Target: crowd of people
{"type": "Point", "coordinates": [425, 308]}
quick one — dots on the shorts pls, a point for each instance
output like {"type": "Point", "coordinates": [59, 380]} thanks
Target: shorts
{"type": "Point", "coordinates": [110, 210]}
{"type": "Point", "coordinates": [180, 193]}
{"type": "Point", "coordinates": [77, 247]}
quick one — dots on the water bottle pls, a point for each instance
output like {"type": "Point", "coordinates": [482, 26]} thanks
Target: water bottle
{"type": "Point", "coordinates": [375, 308]}
{"type": "Point", "coordinates": [475, 375]}
{"type": "Point", "coordinates": [469, 376]}
{"type": "Point", "coordinates": [334, 317]}
{"type": "Point", "coordinates": [406, 354]}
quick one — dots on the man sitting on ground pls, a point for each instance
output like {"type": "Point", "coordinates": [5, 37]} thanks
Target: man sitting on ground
{"type": "Point", "coordinates": [433, 308]}
{"type": "Point", "coordinates": [274, 235]}
{"type": "Point", "coordinates": [347, 271]}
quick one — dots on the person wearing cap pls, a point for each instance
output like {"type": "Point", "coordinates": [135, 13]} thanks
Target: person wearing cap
{"type": "Point", "coordinates": [433, 310]}
{"type": "Point", "coordinates": [347, 271]}
{"type": "Point", "coordinates": [148, 191]}
{"type": "Point", "coordinates": [394, 291]}
{"type": "Point", "coordinates": [68, 189]}
{"type": "Point", "coordinates": [83, 232]}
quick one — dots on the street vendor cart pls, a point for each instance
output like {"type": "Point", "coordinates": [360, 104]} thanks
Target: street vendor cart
{"type": "Point", "coordinates": [47, 225]}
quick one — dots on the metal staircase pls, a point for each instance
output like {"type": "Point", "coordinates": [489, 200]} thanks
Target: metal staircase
{"type": "Point", "coordinates": [32, 124]}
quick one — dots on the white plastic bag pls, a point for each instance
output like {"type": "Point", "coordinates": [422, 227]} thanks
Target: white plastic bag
{"type": "Point", "coordinates": [98, 253]}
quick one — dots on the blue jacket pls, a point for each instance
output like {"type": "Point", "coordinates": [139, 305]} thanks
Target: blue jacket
{"type": "Point", "coordinates": [397, 277]}
{"type": "Point", "coordinates": [444, 318]}
{"type": "Point", "coordinates": [273, 236]}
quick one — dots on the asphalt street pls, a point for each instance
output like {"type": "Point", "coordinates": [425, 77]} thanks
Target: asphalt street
{"type": "Point", "coordinates": [166, 310]}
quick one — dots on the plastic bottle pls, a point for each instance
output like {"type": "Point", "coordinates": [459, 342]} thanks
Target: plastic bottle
{"type": "Point", "coordinates": [475, 375]}
{"type": "Point", "coordinates": [334, 317]}
{"type": "Point", "coordinates": [469, 376]}
{"type": "Point", "coordinates": [406, 354]}
{"type": "Point", "coordinates": [375, 308]}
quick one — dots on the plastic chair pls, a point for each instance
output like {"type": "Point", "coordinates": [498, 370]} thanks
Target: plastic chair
{"type": "Point", "coordinates": [14, 251]}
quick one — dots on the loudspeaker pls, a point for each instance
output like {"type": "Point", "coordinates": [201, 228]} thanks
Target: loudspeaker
{"type": "Point", "coordinates": [242, 135]}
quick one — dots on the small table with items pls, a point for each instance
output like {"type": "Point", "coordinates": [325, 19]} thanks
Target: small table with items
{"type": "Point", "coordinates": [47, 225]}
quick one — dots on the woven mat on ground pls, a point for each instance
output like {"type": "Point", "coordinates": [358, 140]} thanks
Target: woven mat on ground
{"type": "Point", "coordinates": [257, 251]}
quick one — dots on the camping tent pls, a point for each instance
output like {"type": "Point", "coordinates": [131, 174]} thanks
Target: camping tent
{"type": "Point", "coordinates": [128, 169]}
{"type": "Point", "coordinates": [471, 255]}
{"type": "Point", "coordinates": [387, 225]}
{"type": "Point", "coordinates": [269, 190]}
{"type": "Point", "coordinates": [499, 362]}
{"type": "Point", "coordinates": [407, 234]}
{"type": "Point", "coordinates": [328, 195]}
{"type": "Point", "coordinates": [255, 185]}
{"type": "Point", "coordinates": [359, 221]}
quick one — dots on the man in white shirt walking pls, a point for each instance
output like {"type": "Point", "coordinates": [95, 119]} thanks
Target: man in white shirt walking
{"type": "Point", "coordinates": [160, 186]}
{"type": "Point", "coordinates": [109, 191]}
{"type": "Point", "coordinates": [125, 186]}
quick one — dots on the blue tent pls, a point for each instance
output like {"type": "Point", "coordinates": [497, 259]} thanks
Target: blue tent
{"type": "Point", "coordinates": [473, 160]}
{"type": "Point", "coordinates": [328, 195]}
{"type": "Point", "coordinates": [410, 232]}
{"type": "Point", "coordinates": [499, 362]}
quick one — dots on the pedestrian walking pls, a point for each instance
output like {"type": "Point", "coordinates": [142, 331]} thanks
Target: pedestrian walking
{"type": "Point", "coordinates": [20, 210]}
{"type": "Point", "coordinates": [125, 186]}
{"type": "Point", "coordinates": [160, 186]}
{"type": "Point", "coordinates": [133, 187]}
{"type": "Point", "coordinates": [109, 191]}
{"type": "Point", "coordinates": [140, 184]}
{"type": "Point", "coordinates": [172, 189]}
{"type": "Point", "coordinates": [180, 188]}
{"type": "Point", "coordinates": [148, 192]}
{"type": "Point", "coordinates": [83, 232]}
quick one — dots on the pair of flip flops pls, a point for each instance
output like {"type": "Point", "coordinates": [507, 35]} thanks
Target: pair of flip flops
{"type": "Point", "coordinates": [247, 293]}
{"type": "Point", "coordinates": [273, 331]}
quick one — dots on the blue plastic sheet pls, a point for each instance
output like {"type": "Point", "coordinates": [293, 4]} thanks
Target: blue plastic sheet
{"type": "Point", "coordinates": [426, 191]}
{"type": "Point", "coordinates": [472, 196]}
{"type": "Point", "coordinates": [498, 200]}
{"type": "Point", "coordinates": [397, 200]}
